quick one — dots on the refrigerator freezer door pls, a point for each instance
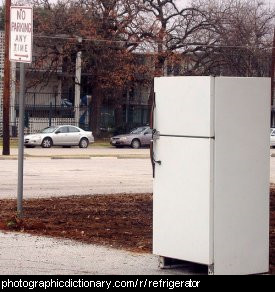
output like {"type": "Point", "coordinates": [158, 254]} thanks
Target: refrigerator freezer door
{"type": "Point", "coordinates": [184, 106]}
{"type": "Point", "coordinates": [182, 208]}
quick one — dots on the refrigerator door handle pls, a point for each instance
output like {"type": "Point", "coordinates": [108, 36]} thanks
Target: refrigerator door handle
{"type": "Point", "coordinates": [155, 135]}
{"type": "Point", "coordinates": [151, 157]}
{"type": "Point", "coordinates": [153, 161]}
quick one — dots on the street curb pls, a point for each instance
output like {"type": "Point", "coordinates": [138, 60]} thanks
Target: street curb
{"type": "Point", "coordinates": [70, 157]}
{"type": "Point", "coordinates": [118, 156]}
{"type": "Point", "coordinates": [8, 158]}
{"type": "Point", "coordinates": [132, 157]}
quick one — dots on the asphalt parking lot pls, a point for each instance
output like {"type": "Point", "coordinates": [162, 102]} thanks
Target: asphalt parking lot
{"type": "Point", "coordinates": [45, 177]}
{"type": "Point", "coordinates": [77, 171]}
{"type": "Point", "coordinates": [73, 171]}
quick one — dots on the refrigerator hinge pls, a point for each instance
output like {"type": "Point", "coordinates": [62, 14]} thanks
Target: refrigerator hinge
{"type": "Point", "coordinates": [211, 269]}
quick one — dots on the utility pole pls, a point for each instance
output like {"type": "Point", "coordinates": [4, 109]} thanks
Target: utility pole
{"type": "Point", "coordinates": [77, 82]}
{"type": "Point", "coordinates": [273, 70]}
{"type": "Point", "coordinates": [6, 93]}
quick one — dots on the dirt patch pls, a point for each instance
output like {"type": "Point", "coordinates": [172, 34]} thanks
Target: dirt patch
{"type": "Point", "coordinates": [122, 221]}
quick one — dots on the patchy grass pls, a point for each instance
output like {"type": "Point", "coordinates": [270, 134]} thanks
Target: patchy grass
{"type": "Point", "coordinates": [97, 143]}
{"type": "Point", "coordinates": [13, 142]}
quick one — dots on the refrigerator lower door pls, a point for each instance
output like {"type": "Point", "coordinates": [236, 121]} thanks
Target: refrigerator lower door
{"type": "Point", "coordinates": [183, 194]}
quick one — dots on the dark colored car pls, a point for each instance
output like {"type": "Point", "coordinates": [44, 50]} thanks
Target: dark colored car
{"type": "Point", "coordinates": [138, 137]}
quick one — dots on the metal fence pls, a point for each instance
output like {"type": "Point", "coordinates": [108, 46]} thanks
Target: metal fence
{"type": "Point", "coordinates": [46, 98]}
{"type": "Point", "coordinates": [41, 116]}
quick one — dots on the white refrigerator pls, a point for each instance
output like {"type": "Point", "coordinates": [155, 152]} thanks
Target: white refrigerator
{"type": "Point", "coordinates": [210, 158]}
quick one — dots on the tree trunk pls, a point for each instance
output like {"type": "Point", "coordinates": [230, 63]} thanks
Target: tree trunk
{"type": "Point", "coordinates": [118, 97]}
{"type": "Point", "coordinates": [119, 116]}
{"type": "Point", "coordinates": [95, 115]}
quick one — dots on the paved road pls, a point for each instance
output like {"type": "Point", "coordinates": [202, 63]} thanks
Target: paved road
{"type": "Point", "coordinates": [45, 177]}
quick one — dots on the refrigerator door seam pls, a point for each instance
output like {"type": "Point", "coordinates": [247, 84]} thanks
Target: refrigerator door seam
{"type": "Point", "coordinates": [186, 136]}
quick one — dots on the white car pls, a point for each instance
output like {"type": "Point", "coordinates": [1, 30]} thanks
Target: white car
{"type": "Point", "coordinates": [64, 135]}
{"type": "Point", "coordinates": [272, 137]}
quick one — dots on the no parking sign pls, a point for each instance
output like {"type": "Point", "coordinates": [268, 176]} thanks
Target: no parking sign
{"type": "Point", "coordinates": [21, 34]}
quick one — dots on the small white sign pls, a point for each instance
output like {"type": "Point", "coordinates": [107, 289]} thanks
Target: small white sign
{"type": "Point", "coordinates": [21, 34]}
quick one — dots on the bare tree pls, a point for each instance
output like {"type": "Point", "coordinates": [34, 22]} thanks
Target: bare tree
{"type": "Point", "coordinates": [171, 32]}
{"type": "Point", "coordinates": [106, 31]}
{"type": "Point", "coordinates": [242, 31]}
{"type": "Point", "coordinates": [170, 28]}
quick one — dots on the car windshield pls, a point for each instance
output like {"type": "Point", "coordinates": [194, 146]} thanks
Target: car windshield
{"type": "Point", "coordinates": [138, 130]}
{"type": "Point", "coordinates": [49, 130]}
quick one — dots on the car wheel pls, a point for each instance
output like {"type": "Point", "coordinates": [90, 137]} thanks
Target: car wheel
{"type": "Point", "coordinates": [47, 143]}
{"type": "Point", "coordinates": [135, 144]}
{"type": "Point", "coordinates": [84, 143]}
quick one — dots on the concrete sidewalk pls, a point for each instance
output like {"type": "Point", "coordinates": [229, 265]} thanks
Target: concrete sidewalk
{"type": "Point", "coordinates": [23, 254]}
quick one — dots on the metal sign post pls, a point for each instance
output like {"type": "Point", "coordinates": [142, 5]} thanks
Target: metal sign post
{"type": "Point", "coordinates": [21, 34]}
{"type": "Point", "coordinates": [21, 141]}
